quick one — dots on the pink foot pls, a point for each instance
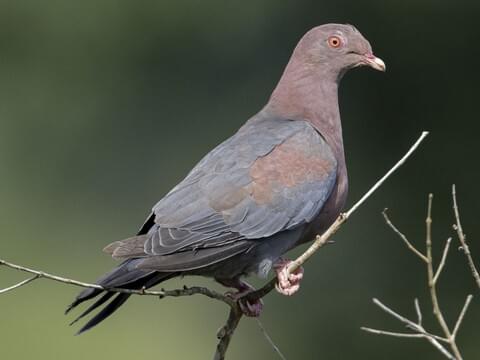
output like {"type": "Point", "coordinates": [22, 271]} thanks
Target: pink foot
{"type": "Point", "coordinates": [249, 308]}
{"type": "Point", "coordinates": [287, 284]}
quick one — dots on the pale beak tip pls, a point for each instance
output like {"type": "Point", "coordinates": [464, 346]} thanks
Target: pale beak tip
{"type": "Point", "coordinates": [374, 62]}
{"type": "Point", "coordinates": [379, 64]}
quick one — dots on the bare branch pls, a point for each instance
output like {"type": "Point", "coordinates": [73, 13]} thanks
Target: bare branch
{"type": "Point", "coordinates": [442, 261]}
{"type": "Point", "coordinates": [235, 315]}
{"type": "Point", "coordinates": [418, 328]}
{"type": "Point", "coordinates": [390, 333]}
{"type": "Point", "coordinates": [432, 277]}
{"type": "Point", "coordinates": [394, 313]}
{"type": "Point", "coordinates": [431, 284]}
{"type": "Point", "coordinates": [186, 291]}
{"type": "Point", "coordinates": [418, 311]}
{"type": "Point", "coordinates": [320, 240]}
{"type": "Point", "coordinates": [403, 237]}
{"type": "Point", "coordinates": [21, 283]}
{"type": "Point", "coordinates": [435, 343]}
{"type": "Point", "coordinates": [225, 334]}
{"type": "Point", "coordinates": [463, 239]}
{"type": "Point", "coordinates": [42, 274]}
{"type": "Point", "coordinates": [387, 175]}
{"type": "Point", "coordinates": [461, 316]}
{"type": "Point", "coordinates": [194, 290]}
{"type": "Point", "coordinates": [409, 323]}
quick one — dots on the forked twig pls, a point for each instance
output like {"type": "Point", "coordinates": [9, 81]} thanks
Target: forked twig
{"type": "Point", "coordinates": [20, 284]}
{"type": "Point", "coordinates": [449, 336]}
{"type": "Point", "coordinates": [403, 237]}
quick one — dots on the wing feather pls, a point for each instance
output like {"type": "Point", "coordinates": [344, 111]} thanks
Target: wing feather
{"type": "Point", "coordinates": [273, 175]}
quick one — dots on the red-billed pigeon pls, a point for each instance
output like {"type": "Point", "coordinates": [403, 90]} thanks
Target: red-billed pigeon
{"type": "Point", "coordinates": [273, 185]}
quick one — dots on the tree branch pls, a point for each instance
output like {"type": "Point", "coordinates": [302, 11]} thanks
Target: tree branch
{"type": "Point", "coordinates": [432, 286]}
{"type": "Point", "coordinates": [461, 316]}
{"type": "Point", "coordinates": [442, 261]}
{"type": "Point", "coordinates": [21, 283]}
{"type": "Point", "coordinates": [420, 331]}
{"type": "Point", "coordinates": [463, 238]}
{"type": "Point", "coordinates": [403, 237]}
{"type": "Point", "coordinates": [226, 332]}
{"type": "Point", "coordinates": [432, 277]}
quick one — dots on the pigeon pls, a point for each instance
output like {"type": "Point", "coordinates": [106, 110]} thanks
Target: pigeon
{"type": "Point", "coordinates": [276, 183]}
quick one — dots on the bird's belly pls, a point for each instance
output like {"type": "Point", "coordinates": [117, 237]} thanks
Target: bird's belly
{"type": "Point", "coordinates": [258, 259]}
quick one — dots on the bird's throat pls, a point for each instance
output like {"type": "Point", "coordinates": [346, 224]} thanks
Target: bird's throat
{"type": "Point", "coordinates": [310, 94]}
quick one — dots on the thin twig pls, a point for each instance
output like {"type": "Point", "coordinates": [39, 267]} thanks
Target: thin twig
{"type": "Point", "coordinates": [391, 333]}
{"type": "Point", "coordinates": [432, 287]}
{"type": "Point", "coordinates": [461, 316]}
{"type": "Point", "coordinates": [409, 323]}
{"type": "Point", "coordinates": [432, 277]}
{"type": "Point", "coordinates": [442, 261]}
{"type": "Point", "coordinates": [21, 283]}
{"type": "Point", "coordinates": [463, 238]}
{"type": "Point", "coordinates": [320, 240]}
{"type": "Point", "coordinates": [42, 274]}
{"type": "Point", "coordinates": [403, 237]}
{"type": "Point", "coordinates": [387, 175]}
{"type": "Point", "coordinates": [418, 311]}
{"type": "Point", "coordinates": [420, 331]}
{"type": "Point", "coordinates": [393, 313]}
{"type": "Point", "coordinates": [186, 291]}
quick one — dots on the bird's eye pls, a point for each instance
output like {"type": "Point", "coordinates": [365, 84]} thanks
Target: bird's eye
{"type": "Point", "coordinates": [334, 42]}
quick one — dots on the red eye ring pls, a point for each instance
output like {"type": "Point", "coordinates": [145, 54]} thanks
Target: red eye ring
{"type": "Point", "coordinates": [334, 42]}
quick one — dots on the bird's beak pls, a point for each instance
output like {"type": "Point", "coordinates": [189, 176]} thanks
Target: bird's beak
{"type": "Point", "coordinates": [374, 62]}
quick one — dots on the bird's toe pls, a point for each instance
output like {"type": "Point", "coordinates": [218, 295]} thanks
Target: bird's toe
{"type": "Point", "coordinates": [288, 282]}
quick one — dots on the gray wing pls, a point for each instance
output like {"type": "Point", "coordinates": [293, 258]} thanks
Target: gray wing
{"type": "Point", "coordinates": [272, 175]}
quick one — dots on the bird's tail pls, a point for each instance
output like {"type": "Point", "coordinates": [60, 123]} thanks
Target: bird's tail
{"type": "Point", "coordinates": [126, 276]}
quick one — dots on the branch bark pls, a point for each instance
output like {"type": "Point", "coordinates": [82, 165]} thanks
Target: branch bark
{"type": "Point", "coordinates": [449, 336]}
{"type": "Point", "coordinates": [463, 238]}
{"type": "Point", "coordinates": [235, 315]}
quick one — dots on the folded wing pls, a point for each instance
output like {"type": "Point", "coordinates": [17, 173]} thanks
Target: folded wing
{"type": "Point", "coordinates": [272, 175]}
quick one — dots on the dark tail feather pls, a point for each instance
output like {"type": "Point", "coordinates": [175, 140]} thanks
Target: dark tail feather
{"type": "Point", "coordinates": [126, 276]}
{"type": "Point", "coordinates": [83, 296]}
{"type": "Point", "coordinates": [105, 312]}
{"type": "Point", "coordinates": [123, 274]}
{"type": "Point", "coordinates": [92, 307]}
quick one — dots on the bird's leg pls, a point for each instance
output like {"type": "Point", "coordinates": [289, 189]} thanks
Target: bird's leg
{"type": "Point", "coordinates": [288, 283]}
{"type": "Point", "coordinates": [248, 308]}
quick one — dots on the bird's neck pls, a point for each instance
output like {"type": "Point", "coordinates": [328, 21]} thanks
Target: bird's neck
{"type": "Point", "coordinates": [310, 94]}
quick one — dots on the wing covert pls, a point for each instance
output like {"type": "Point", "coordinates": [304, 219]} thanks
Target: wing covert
{"type": "Point", "coordinates": [272, 175]}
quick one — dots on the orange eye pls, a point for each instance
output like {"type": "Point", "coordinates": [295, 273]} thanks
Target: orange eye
{"type": "Point", "coordinates": [334, 42]}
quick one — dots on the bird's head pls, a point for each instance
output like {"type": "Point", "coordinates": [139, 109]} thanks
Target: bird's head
{"type": "Point", "coordinates": [335, 48]}
{"type": "Point", "coordinates": [308, 88]}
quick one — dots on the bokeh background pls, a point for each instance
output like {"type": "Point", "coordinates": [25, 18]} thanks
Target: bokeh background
{"type": "Point", "coordinates": [105, 105]}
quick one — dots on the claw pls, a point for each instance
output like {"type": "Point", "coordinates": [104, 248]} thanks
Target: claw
{"type": "Point", "coordinates": [288, 283]}
{"type": "Point", "coordinates": [252, 309]}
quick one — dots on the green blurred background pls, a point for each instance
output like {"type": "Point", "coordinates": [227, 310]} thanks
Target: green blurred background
{"type": "Point", "coordinates": [105, 105]}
